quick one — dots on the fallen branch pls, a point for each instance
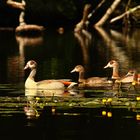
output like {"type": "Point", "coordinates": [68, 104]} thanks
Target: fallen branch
{"type": "Point", "coordinates": [17, 5]}
{"type": "Point", "coordinates": [94, 10]}
{"type": "Point", "coordinates": [80, 25]}
{"type": "Point", "coordinates": [124, 14]}
{"type": "Point", "coordinates": [109, 11]}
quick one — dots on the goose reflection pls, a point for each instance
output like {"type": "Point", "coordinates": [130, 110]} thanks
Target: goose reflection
{"type": "Point", "coordinates": [44, 92]}
{"type": "Point", "coordinates": [36, 102]}
{"type": "Point", "coordinates": [31, 108]}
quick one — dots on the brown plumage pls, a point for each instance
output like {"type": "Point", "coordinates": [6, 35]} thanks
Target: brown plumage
{"type": "Point", "coordinates": [91, 81]}
{"type": "Point", "coordinates": [128, 78]}
{"type": "Point", "coordinates": [115, 66]}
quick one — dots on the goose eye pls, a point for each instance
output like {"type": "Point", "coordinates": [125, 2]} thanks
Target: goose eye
{"type": "Point", "coordinates": [32, 62]}
{"type": "Point", "coordinates": [111, 62]}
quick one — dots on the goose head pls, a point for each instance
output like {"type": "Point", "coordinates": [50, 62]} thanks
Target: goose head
{"type": "Point", "coordinates": [115, 66]}
{"type": "Point", "coordinates": [132, 73]}
{"type": "Point", "coordinates": [78, 68]}
{"type": "Point", "coordinates": [30, 82]}
{"type": "Point", "coordinates": [31, 65]}
{"type": "Point", "coordinates": [130, 77]}
{"type": "Point", "coordinates": [112, 64]}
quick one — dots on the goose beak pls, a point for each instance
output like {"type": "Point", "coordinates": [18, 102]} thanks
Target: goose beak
{"type": "Point", "coordinates": [26, 67]}
{"type": "Point", "coordinates": [107, 66]}
{"type": "Point", "coordinates": [130, 74]}
{"type": "Point", "coordinates": [74, 70]}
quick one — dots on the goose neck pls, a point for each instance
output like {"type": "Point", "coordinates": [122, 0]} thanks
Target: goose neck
{"type": "Point", "coordinates": [32, 73]}
{"type": "Point", "coordinates": [115, 73]}
{"type": "Point", "coordinates": [81, 77]}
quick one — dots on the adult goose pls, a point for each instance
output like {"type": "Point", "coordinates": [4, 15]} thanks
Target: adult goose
{"type": "Point", "coordinates": [128, 78]}
{"type": "Point", "coordinates": [122, 82]}
{"type": "Point", "coordinates": [91, 81]}
{"type": "Point", "coordinates": [51, 85]}
{"type": "Point", "coordinates": [115, 66]}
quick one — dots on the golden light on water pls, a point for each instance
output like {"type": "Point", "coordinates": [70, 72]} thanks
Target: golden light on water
{"type": "Point", "coordinates": [138, 98]}
{"type": "Point", "coordinates": [109, 114]}
{"type": "Point", "coordinates": [103, 113]}
{"type": "Point", "coordinates": [138, 117]}
{"type": "Point", "coordinates": [53, 110]}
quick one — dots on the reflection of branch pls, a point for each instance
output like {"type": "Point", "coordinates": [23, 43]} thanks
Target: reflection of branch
{"type": "Point", "coordinates": [18, 5]}
{"type": "Point", "coordinates": [117, 35]}
{"type": "Point", "coordinates": [29, 41]}
{"type": "Point", "coordinates": [124, 14]}
{"type": "Point", "coordinates": [82, 23]}
{"type": "Point", "coordinates": [29, 27]}
{"type": "Point", "coordinates": [84, 39]}
{"type": "Point", "coordinates": [21, 18]}
{"type": "Point", "coordinates": [117, 52]}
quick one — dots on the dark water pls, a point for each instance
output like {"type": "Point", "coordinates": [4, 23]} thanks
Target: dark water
{"type": "Point", "coordinates": [39, 117]}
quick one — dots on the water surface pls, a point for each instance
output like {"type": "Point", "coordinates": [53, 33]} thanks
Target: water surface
{"type": "Point", "coordinates": [78, 113]}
